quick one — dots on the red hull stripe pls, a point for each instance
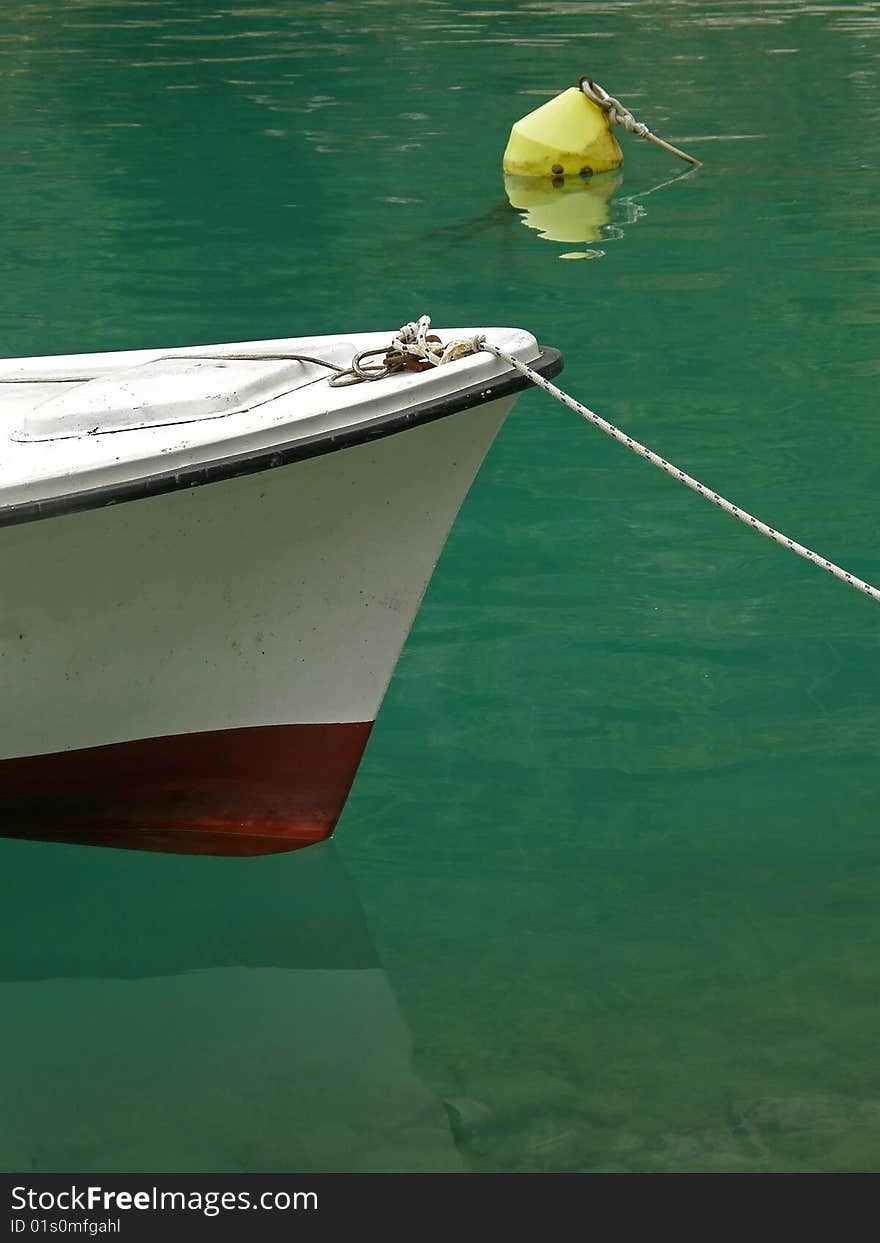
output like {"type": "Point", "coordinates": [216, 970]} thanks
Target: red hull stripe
{"type": "Point", "coordinates": [227, 792]}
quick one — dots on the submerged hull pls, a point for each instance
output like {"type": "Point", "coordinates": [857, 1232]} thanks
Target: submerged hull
{"type": "Point", "coordinates": [199, 670]}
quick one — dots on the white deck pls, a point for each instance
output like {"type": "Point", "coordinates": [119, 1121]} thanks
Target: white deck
{"type": "Point", "coordinates": [55, 450]}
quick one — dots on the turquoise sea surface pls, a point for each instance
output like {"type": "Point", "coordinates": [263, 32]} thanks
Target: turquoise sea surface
{"type": "Point", "coordinates": [606, 894]}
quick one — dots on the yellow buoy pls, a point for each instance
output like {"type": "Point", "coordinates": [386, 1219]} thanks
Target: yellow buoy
{"type": "Point", "coordinates": [564, 137]}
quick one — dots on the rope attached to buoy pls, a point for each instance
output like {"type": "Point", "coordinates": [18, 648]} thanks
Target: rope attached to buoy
{"type": "Point", "coordinates": [414, 342]}
{"type": "Point", "coordinates": [618, 114]}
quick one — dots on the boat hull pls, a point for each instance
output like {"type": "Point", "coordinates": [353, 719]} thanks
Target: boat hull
{"type": "Point", "coordinates": [199, 671]}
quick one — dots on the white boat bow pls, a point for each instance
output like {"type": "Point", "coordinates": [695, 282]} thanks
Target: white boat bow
{"type": "Point", "coordinates": [197, 668]}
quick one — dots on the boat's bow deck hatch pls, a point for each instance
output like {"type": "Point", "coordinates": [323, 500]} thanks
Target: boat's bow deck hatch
{"type": "Point", "coordinates": [167, 390]}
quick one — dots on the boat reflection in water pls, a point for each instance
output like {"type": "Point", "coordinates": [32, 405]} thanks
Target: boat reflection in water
{"type": "Point", "coordinates": [169, 1013]}
{"type": "Point", "coordinates": [569, 209]}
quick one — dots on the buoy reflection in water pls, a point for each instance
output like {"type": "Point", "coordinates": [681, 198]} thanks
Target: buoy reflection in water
{"type": "Point", "coordinates": [564, 209]}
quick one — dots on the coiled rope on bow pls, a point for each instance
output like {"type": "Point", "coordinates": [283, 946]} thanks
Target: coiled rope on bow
{"type": "Point", "coordinates": [414, 348]}
{"type": "Point", "coordinates": [414, 342]}
{"type": "Point", "coordinates": [619, 114]}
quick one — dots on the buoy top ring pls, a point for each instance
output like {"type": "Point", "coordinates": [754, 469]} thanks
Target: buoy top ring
{"type": "Point", "coordinates": [594, 92]}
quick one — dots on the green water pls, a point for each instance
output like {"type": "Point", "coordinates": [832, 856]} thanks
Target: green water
{"type": "Point", "coordinates": [608, 880]}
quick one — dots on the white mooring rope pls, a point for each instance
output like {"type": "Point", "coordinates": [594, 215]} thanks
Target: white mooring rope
{"type": "Point", "coordinates": [413, 341]}
{"type": "Point", "coordinates": [619, 114]}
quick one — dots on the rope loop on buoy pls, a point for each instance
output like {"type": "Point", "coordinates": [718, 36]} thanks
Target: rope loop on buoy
{"type": "Point", "coordinates": [619, 114]}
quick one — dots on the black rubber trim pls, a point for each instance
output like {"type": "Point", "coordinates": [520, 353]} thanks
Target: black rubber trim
{"type": "Point", "coordinates": [549, 363]}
